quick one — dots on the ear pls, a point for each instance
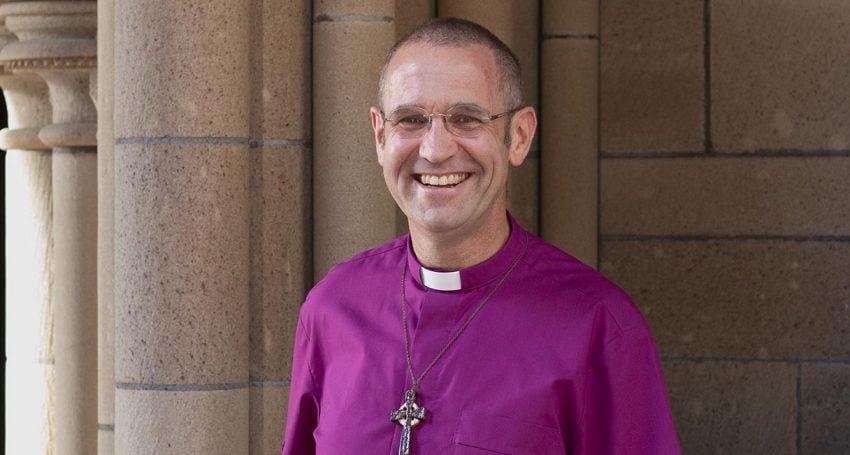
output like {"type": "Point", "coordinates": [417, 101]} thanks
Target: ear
{"type": "Point", "coordinates": [378, 128]}
{"type": "Point", "coordinates": [523, 126]}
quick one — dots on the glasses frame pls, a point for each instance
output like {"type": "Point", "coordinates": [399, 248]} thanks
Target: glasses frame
{"type": "Point", "coordinates": [421, 132]}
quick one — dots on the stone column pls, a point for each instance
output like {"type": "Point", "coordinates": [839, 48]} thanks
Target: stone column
{"type": "Point", "coordinates": [569, 170]}
{"type": "Point", "coordinates": [280, 207]}
{"type": "Point", "coordinates": [410, 13]}
{"type": "Point", "coordinates": [182, 175]}
{"type": "Point", "coordinates": [105, 230]}
{"type": "Point", "coordinates": [56, 41]}
{"type": "Point", "coordinates": [352, 209]}
{"type": "Point", "coordinates": [30, 377]}
{"type": "Point", "coordinates": [516, 23]}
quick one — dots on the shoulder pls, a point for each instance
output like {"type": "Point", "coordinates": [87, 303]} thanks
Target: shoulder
{"type": "Point", "coordinates": [357, 275]}
{"type": "Point", "coordinates": [569, 282]}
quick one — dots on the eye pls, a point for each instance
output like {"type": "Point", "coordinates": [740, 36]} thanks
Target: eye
{"type": "Point", "coordinates": [412, 120]}
{"type": "Point", "coordinates": [465, 121]}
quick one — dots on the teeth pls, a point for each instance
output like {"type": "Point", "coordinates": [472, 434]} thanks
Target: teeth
{"type": "Point", "coordinates": [442, 180]}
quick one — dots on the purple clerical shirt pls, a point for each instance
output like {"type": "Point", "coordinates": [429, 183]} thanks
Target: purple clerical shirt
{"type": "Point", "coordinates": [558, 361]}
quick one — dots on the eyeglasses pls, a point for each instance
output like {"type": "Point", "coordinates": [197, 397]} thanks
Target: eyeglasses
{"type": "Point", "coordinates": [463, 120]}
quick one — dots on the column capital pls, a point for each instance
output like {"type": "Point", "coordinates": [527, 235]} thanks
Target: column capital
{"type": "Point", "coordinates": [57, 41]}
{"type": "Point", "coordinates": [26, 103]}
{"type": "Point", "coordinates": [57, 35]}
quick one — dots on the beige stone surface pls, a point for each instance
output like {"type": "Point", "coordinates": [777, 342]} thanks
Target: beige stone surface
{"type": "Point", "coordinates": [74, 296]}
{"type": "Point", "coordinates": [182, 263]}
{"type": "Point", "coordinates": [105, 230]}
{"type": "Point", "coordinates": [21, 139]}
{"type": "Point", "coordinates": [47, 8]}
{"type": "Point", "coordinates": [778, 75]}
{"type": "Point", "coordinates": [106, 440]}
{"type": "Point", "coordinates": [571, 17]}
{"type": "Point", "coordinates": [726, 196]}
{"type": "Point", "coordinates": [410, 13]}
{"type": "Point", "coordinates": [69, 135]}
{"type": "Point", "coordinates": [27, 102]}
{"type": "Point", "coordinates": [353, 10]}
{"type": "Point", "coordinates": [352, 208]}
{"type": "Point", "coordinates": [69, 96]}
{"type": "Point", "coordinates": [569, 173]}
{"type": "Point", "coordinates": [523, 193]}
{"type": "Point", "coordinates": [181, 68]}
{"type": "Point", "coordinates": [825, 395]}
{"type": "Point", "coordinates": [652, 80]}
{"type": "Point", "coordinates": [179, 423]}
{"type": "Point", "coordinates": [281, 92]}
{"type": "Point", "coordinates": [733, 407]}
{"type": "Point", "coordinates": [268, 418]}
{"type": "Point", "coordinates": [280, 255]}
{"type": "Point", "coordinates": [743, 299]}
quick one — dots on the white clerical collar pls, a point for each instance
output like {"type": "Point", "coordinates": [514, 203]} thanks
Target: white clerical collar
{"type": "Point", "coordinates": [440, 281]}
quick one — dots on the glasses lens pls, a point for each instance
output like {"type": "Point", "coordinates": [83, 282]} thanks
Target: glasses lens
{"type": "Point", "coordinates": [408, 121]}
{"type": "Point", "coordinates": [466, 120]}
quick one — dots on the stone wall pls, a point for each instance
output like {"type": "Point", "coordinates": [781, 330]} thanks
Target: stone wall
{"type": "Point", "coordinates": [725, 211]}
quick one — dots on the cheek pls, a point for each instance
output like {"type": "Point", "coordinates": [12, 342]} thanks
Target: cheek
{"type": "Point", "coordinates": [399, 152]}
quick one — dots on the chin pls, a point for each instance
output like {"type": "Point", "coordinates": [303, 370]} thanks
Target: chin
{"type": "Point", "coordinates": [441, 220]}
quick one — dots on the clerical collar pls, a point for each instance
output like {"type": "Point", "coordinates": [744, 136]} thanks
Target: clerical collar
{"type": "Point", "coordinates": [471, 277]}
{"type": "Point", "coordinates": [441, 281]}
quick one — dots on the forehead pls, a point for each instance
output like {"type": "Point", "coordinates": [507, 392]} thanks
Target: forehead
{"type": "Point", "coordinates": [440, 76]}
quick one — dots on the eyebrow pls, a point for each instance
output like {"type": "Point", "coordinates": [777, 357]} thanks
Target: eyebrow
{"type": "Point", "coordinates": [417, 106]}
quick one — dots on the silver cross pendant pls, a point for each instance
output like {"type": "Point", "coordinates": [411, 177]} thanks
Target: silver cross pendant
{"type": "Point", "coordinates": [408, 416]}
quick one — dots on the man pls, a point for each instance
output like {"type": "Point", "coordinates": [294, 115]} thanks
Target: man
{"type": "Point", "coordinates": [469, 335]}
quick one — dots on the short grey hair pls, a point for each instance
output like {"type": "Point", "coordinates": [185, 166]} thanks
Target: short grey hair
{"type": "Point", "coordinates": [460, 32]}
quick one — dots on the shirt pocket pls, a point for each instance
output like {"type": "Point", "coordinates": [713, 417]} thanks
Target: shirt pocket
{"type": "Point", "coordinates": [481, 433]}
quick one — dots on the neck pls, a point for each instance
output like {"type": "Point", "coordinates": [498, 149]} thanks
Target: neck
{"type": "Point", "coordinates": [454, 250]}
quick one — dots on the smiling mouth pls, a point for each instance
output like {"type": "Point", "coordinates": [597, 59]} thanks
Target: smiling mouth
{"type": "Point", "coordinates": [441, 180]}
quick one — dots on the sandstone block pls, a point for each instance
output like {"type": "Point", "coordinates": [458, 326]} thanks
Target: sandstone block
{"type": "Point", "coordinates": [571, 17]}
{"type": "Point", "coordinates": [268, 418]}
{"type": "Point", "coordinates": [181, 262]}
{"type": "Point", "coordinates": [743, 299]}
{"type": "Point", "coordinates": [726, 196]}
{"type": "Point", "coordinates": [282, 86]}
{"type": "Point", "coordinates": [569, 134]}
{"type": "Point", "coordinates": [733, 407]}
{"type": "Point", "coordinates": [652, 76]}
{"type": "Point", "coordinates": [825, 394]}
{"type": "Point", "coordinates": [779, 75]}
{"type": "Point", "coordinates": [181, 422]}
{"type": "Point", "coordinates": [181, 68]}
{"type": "Point", "coordinates": [280, 258]}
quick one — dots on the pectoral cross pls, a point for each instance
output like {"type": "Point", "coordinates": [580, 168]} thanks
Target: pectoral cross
{"type": "Point", "coordinates": [408, 416]}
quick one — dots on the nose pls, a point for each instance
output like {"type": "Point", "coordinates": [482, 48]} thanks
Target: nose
{"type": "Point", "coordinates": [438, 144]}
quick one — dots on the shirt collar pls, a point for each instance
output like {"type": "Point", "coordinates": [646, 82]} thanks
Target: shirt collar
{"type": "Point", "coordinates": [470, 277]}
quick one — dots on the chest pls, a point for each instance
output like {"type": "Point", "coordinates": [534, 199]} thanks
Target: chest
{"type": "Point", "coordinates": [506, 383]}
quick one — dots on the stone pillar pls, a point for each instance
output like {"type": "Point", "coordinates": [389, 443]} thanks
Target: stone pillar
{"type": "Point", "coordinates": [516, 23]}
{"type": "Point", "coordinates": [569, 170]}
{"type": "Point", "coordinates": [280, 207]}
{"type": "Point", "coordinates": [410, 13]}
{"type": "Point", "coordinates": [56, 41]}
{"type": "Point", "coordinates": [352, 209]}
{"type": "Point", "coordinates": [105, 230]}
{"type": "Point", "coordinates": [182, 175]}
{"type": "Point", "coordinates": [29, 382]}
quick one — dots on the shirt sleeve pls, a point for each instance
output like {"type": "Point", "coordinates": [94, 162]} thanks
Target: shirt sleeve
{"type": "Point", "coordinates": [625, 406]}
{"type": "Point", "coordinates": [303, 413]}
